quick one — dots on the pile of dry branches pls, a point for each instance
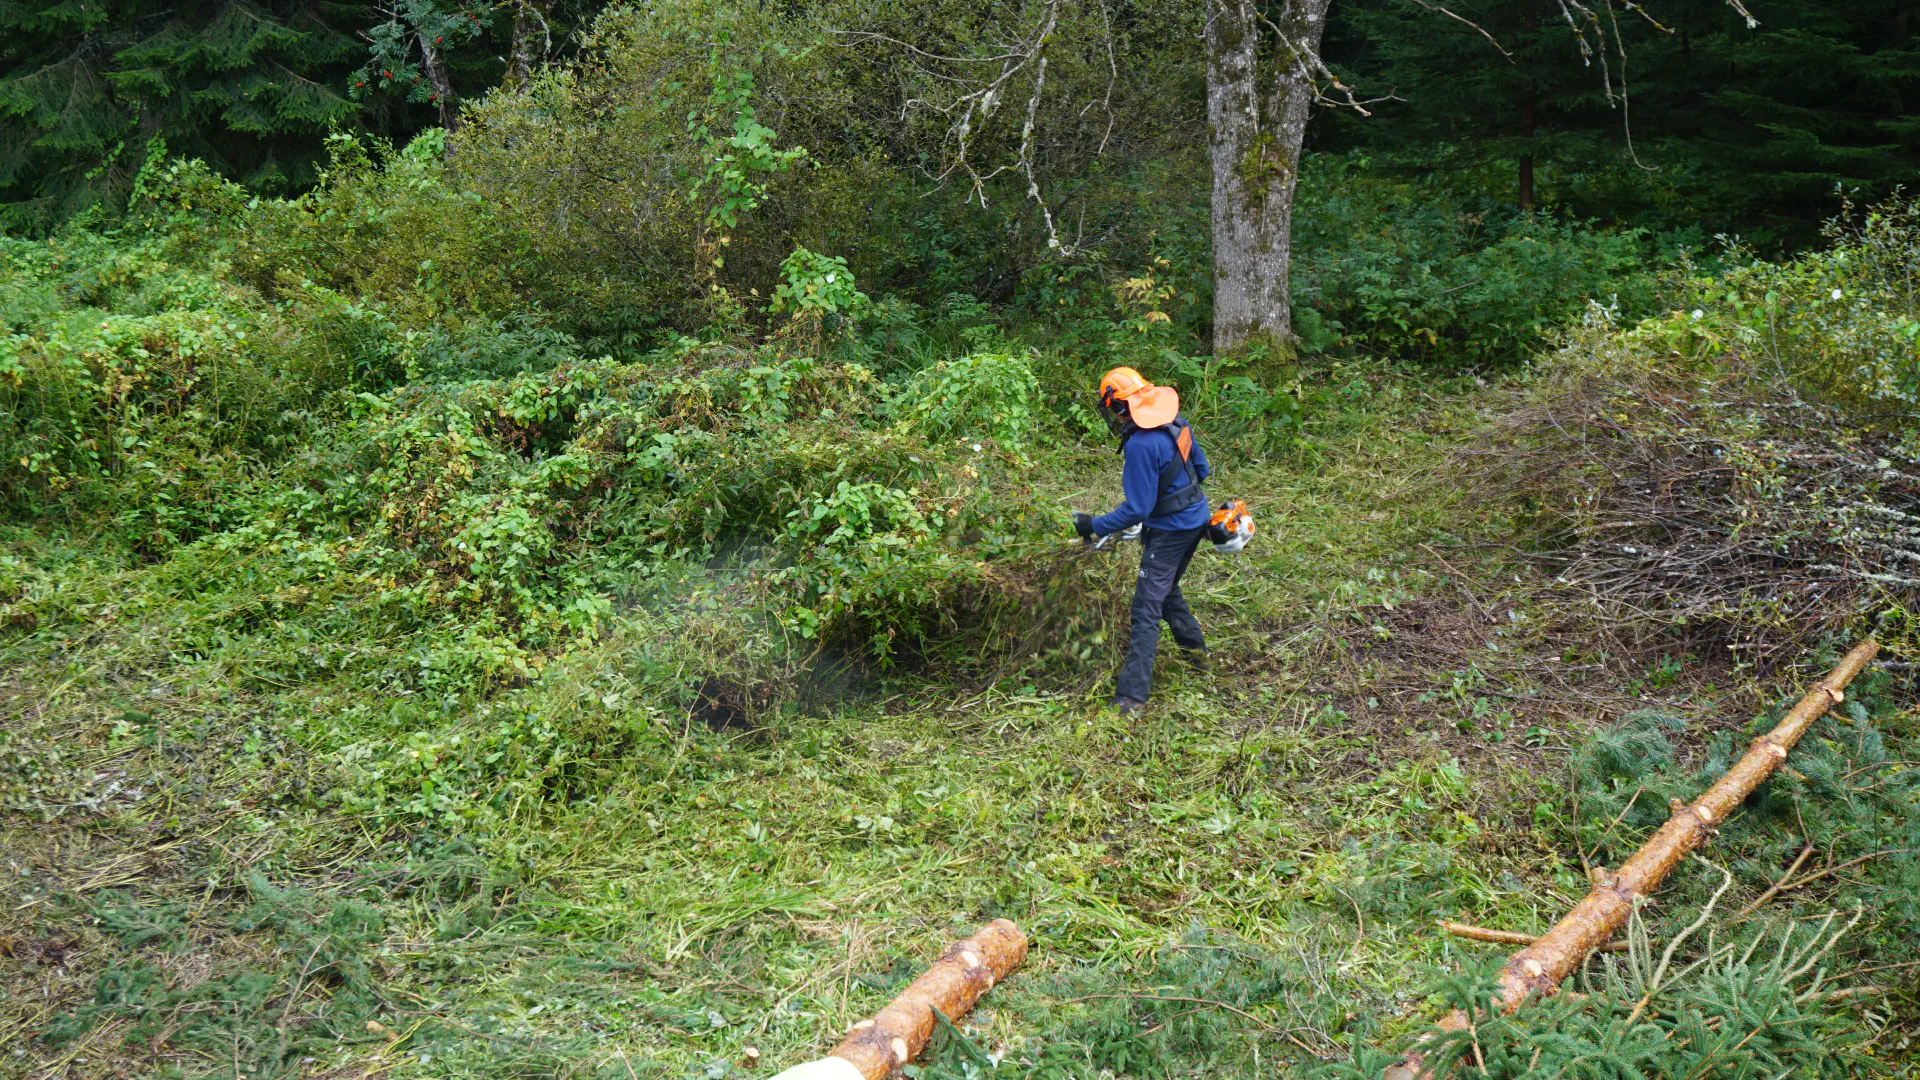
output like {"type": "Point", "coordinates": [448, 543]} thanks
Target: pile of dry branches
{"type": "Point", "coordinates": [1731, 507]}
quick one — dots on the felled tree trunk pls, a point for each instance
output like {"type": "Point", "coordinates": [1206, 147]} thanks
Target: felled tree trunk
{"type": "Point", "coordinates": [874, 1048]}
{"type": "Point", "coordinates": [1537, 970]}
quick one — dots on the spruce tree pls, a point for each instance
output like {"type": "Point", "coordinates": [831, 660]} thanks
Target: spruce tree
{"type": "Point", "coordinates": [249, 87]}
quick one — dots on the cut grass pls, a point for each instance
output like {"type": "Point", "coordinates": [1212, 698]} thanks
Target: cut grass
{"type": "Point", "coordinates": [1248, 876]}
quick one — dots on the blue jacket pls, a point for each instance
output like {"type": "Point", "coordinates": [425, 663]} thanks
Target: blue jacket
{"type": "Point", "coordinates": [1148, 453]}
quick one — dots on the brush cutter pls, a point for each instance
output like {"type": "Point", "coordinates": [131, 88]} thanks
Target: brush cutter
{"type": "Point", "coordinates": [1230, 527]}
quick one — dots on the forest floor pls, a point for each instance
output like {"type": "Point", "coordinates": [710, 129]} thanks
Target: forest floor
{"type": "Point", "coordinates": [1385, 740]}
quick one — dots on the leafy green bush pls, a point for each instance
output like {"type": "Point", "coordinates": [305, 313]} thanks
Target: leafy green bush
{"type": "Point", "coordinates": [393, 226]}
{"type": "Point", "coordinates": [816, 284]}
{"type": "Point", "coordinates": [635, 176]}
{"type": "Point", "coordinates": [137, 387]}
{"type": "Point", "coordinates": [982, 395]}
{"type": "Point", "coordinates": [1403, 270]}
{"type": "Point", "coordinates": [1843, 323]}
{"type": "Point", "coordinates": [475, 476]}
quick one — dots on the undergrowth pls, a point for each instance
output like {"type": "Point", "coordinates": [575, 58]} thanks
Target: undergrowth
{"type": "Point", "coordinates": [394, 685]}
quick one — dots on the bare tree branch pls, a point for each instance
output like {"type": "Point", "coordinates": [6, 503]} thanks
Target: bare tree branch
{"type": "Point", "coordinates": [1491, 40]}
{"type": "Point", "coordinates": [969, 113]}
{"type": "Point", "coordinates": [1319, 71]}
{"type": "Point", "coordinates": [1626, 114]}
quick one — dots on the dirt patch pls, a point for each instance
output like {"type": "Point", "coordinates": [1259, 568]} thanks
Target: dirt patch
{"type": "Point", "coordinates": [49, 951]}
{"type": "Point", "coordinates": [1494, 674]}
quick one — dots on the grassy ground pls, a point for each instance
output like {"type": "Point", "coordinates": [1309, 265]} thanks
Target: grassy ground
{"type": "Point", "coordinates": [1246, 878]}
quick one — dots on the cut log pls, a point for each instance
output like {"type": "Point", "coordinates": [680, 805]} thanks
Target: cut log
{"type": "Point", "coordinates": [1537, 970]}
{"type": "Point", "coordinates": [894, 1036]}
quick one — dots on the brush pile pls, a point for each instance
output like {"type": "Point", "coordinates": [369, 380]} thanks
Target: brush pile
{"type": "Point", "coordinates": [1705, 473]}
{"type": "Point", "coordinates": [1751, 516]}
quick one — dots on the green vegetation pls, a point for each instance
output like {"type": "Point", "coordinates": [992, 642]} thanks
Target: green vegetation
{"type": "Point", "coordinates": [592, 593]}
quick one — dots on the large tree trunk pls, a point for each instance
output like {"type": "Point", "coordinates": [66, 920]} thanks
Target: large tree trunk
{"type": "Point", "coordinates": [1256, 128]}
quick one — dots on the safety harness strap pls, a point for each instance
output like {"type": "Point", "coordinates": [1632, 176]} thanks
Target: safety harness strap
{"type": "Point", "coordinates": [1174, 495]}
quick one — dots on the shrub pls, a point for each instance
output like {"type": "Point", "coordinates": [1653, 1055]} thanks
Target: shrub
{"type": "Point", "coordinates": [1401, 269]}
{"type": "Point", "coordinates": [1843, 323]}
{"type": "Point", "coordinates": [477, 483]}
{"type": "Point", "coordinates": [132, 386]}
{"type": "Point", "coordinates": [637, 175]}
{"type": "Point", "coordinates": [982, 395]}
{"type": "Point", "coordinates": [393, 226]}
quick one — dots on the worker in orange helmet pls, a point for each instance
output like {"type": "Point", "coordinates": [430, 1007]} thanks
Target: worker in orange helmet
{"type": "Point", "coordinates": [1161, 478]}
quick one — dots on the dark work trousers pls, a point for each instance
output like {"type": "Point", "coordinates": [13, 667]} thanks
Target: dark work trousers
{"type": "Point", "coordinates": [1164, 555]}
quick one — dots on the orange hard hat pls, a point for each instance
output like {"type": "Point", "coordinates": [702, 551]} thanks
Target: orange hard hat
{"type": "Point", "coordinates": [1120, 384]}
{"type": "Point", "coordinates": [1148, 405]}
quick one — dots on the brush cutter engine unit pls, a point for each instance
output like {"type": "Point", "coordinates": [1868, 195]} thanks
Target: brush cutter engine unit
{"type": "Point", "coordinates": [1230, 527]}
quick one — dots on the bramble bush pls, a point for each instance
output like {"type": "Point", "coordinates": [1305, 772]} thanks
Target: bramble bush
{"type": "Point", "coordinates": [473, 477]}
{"type": "Point", "coordinates": [440, 506]}
{"type": "Point", "coordinates": [982, 396]}
{"type": "Point", "coordinates": [1843, 323]}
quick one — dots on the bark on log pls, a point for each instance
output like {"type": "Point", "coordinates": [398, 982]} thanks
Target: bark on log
{"type": "Point", "coordinates": [894, 1036]}
{"type": "Point", "coordinates": [1537, 970]}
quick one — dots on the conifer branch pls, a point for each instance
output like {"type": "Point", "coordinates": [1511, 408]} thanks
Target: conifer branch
{"type": "Point", "coordinates": [1666, 955]}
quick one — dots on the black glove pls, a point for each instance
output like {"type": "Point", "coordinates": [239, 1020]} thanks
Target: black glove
{"type": "Point", "coordinates": [1083, 526]}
